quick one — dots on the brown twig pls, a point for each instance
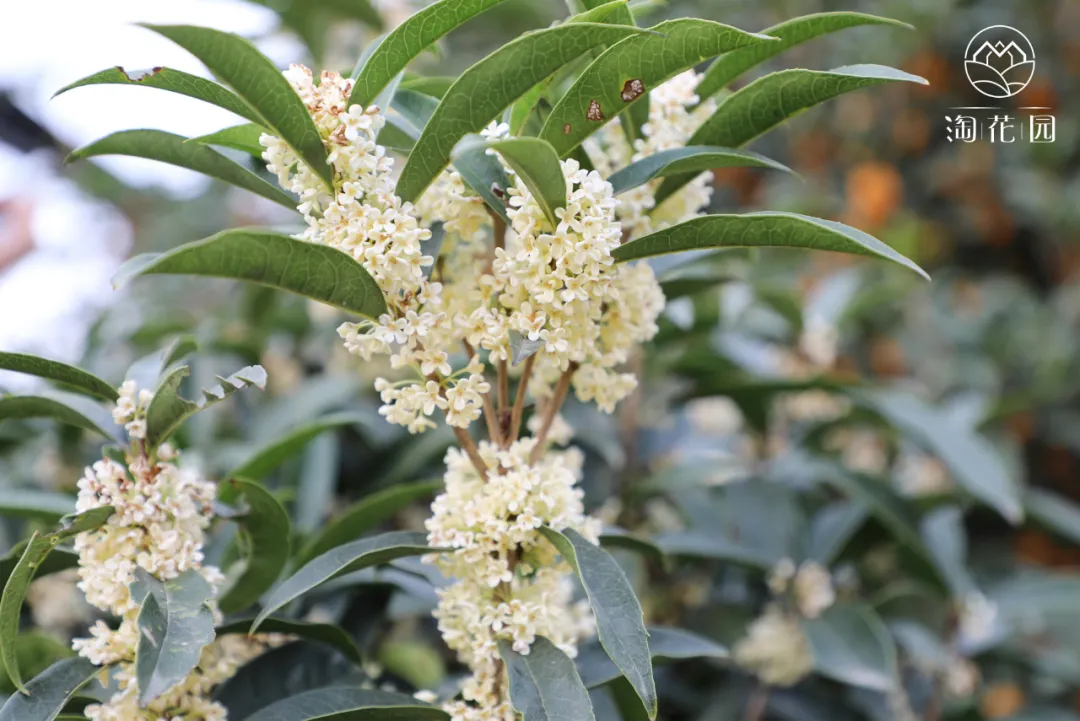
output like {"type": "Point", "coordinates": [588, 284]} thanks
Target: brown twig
{"type": "Point", "coordinates": [551, 409]}
{"type": "Point", "coordinates": [755, 705]}
{"type": "Point", "coordinates": [519, 400]}
{"type": "Point", "coordinates": [504, 387]}
{"type": "Point", "coordinates": [469, 446]}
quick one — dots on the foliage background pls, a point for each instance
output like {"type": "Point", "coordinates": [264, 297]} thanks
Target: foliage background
{"type": "Point", "coordinates": [991, 343]}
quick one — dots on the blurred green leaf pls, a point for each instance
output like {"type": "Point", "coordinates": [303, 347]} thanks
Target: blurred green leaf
{"type": "Point", "coordinates": [67, 408]}
{"type": "Point", "coordinates": [74, 379]}
{"type": "Point", "coordinates": [32, 503]}
{"type": "Point", "coordinates": [265, 534]}
{"type": "Point", "coordinates": [851, 645]}
{"type": "Point", "coordinates": [272, 454]}
{"type": "Point", "coordinates": [832, 528]}
{"type": "Point", "coordinates": [665, 644]}
{"type": "Point", "coordinates": [325, 633]}
{"type": "Point", "coordinates": [1054, 511]}
{"type": "Point", "coordinates": [946, 540]}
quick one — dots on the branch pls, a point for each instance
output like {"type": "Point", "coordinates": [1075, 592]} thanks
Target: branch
{"type": "Point", "coordinates": [469, 446]}
{"type": "Point", "coordinates": [519, 400]}
{"type": "Point", "coordinates": [551, 409]}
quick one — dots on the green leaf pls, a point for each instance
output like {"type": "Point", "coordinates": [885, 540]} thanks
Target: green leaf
{"type": "Point", "coordinates": [408, 41]}
{"type": "Point", "coordinates": [176, 150]}
{"type": "Point", "coordinates": [435, 86]}
{"type": "Point", "coordinates": [615, 537]}
{"type": "Point", "coordinates": [75, 379]}
{"type": "Point", "coordinates": [790, 33]}
{"type": "Point", "coordinates": [629, 69]}
{"type": "Point", "coordinates": [324, 633]}
{"type": "Point", "coordinates": [761, 230]}
{"type": "Point", "coordinates": [366, 513]}
{"type": "Point", "coordinates": [769, 101]}
{"type": "Point", "coordinates": [168, 409]}
{"type": "Point", "coordinates": [244, 138]}
{"type": "Point", "coordinates": [536, 163]}
{"type": "Point", "coordinates": [174, 623]}
{"type": "Point", "coordinates": [1056, 512]}
{"type": "Point", "coordinates": [484, 175]}
{"type": "Point", "coordinates": [32, 503]}
{"type": "Point", "coordinates": [704, 544]}
{"type": "Point", "coordinates": [264, 534]}
{"type": "Point", "coordinates": [36, 651]}
{"type": "Point", "coordinates": [689, 159]}
{"type": "Point", "coordinates": [492, 85]}
{"type": "Point", "coordinates": [263, 88]}
{"type": "Point", "coordinates": [60, 559]}
{"type": "Point", "coordinates": [970, 458]}
{"type": "Point", "coordinates": [832, 528]}
{"type": "Point", "coordinates": [341, 560]}
{"type": "Point", "coordinates": [396, 137]}
{"type": "Point", "coordinates": [319, 272]}
{"type": "Point", "coordinates": [37, 550]}
{"type": "Point", "coordinates": [620, 624]}
{"type": "Point", "coordinates": [665, 644]}
{"type": "Point", "coordinates": [175, 81]}
{"type": "Point", "coordinates": [48, 693]}
{"type": "Point", "coordinates": [946, 540]}
{"type": "Point", "coordinates": [851, 645]}
{"type": "Point", "coordinates": [544, 685]}
{"type": "Point", "coordinates": [270, 455]}
{"type": "Point", "coordinates": [349, 704]}
{"type": "Point", "coordinates": [67, 408]}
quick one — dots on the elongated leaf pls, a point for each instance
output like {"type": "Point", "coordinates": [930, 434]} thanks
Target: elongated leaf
{"type": "Point", "coordinates": [265, 534]}
{"type": "Point", "coordinates": [689, 159]}
{"type": "Point", "coordinates": [319, 272]}
{"type": "Point", "coordinates": [1056, 512]}
{"type": "Point", "coordinates": [490, 86]}
{"type": "Point", "coordinates": [263, 88]}
{"type": "Point", "coordinates": [665, 644]}
{"type": "Point", "coordinates": [175, 623]}
{"type": "Point", "coordinates": [970, 458]}
{"type": "Point", "coordinates": [852, 645]}
{"type": "Point", "coordinates": [341, 560]}
{"type": "Point", "coordinates": [272, 454]}
{"type": "Point", "coordinates": [544, 685]}
{"type": "Point", "coordinates": [168, 409]}
{"type": "Point", "coordinates": [435, 86]}
{"type": "Point", "coordinates": [833, 527]}
{"type": "Point", "coordinates": [176, 150]}
{"type": "Point", "coordinates": [175, 81]}
{"type": "Point", "coordinates": [349, 704]}
{"type": "Point", "coordinates": [32, 503]}
{"type": "Point", "coordinates": [615, 537]}
{"type": "Point", "coordinates": [64, 407]}
{"type": "Point", "coordinates": [147, 372]}
{"type": "Point", "coordinates": [761, 230]}
{"type": "Point", "coordinates": [628, 70]}
{"type": "Point", "coordinates": [60, 559]}
{"type": "Point", "coordinates": [324, 633]}
{"type": "Point", "coordinates": [410, 39]}
{"type": "Point", "coordinates": [48, 693]}
{"type": "Point", "coordinates": [769, 101]}
{"type": "Point", "coordinates": [702, 544]}
{"type": "Point", "coordinates": [75, 379]}
{"type": "Point", "coordinates": [37, 550]}
{"type": "Point", "coordinates": [620, 624]}
{"type": "Point", "coordinates": [244, 138]}
{"type": "Point", "coordinates": [789, 33]}
{"type": "Point", "coordinates": [946, 540]}
{"type": "Point", "coordinates": [361, 516]}
{"type": "Point", "coordinates": [536, 163]}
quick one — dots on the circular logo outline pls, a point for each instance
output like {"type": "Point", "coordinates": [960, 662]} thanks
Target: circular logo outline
{"type": "Point", "coordinates": [1004, 85]}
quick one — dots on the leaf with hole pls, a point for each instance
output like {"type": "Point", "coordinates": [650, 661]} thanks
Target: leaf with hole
{"type": "Point", "coordinates": [168, 409]}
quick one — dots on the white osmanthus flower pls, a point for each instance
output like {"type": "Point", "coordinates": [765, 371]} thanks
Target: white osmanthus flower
{"type": "Point", "coordinates": [809, 583]}
{"type": "Point", "coordinates": [160, 514]}
{"type": "Point", "coordinates": [775, 648]}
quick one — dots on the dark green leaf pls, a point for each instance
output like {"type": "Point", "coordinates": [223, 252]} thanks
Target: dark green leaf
{"type": "Point", "coordinates": [703, 544]}
{"type": "Point", "coordinates": [769, 101]}
{"type": "Point", "coordinates": [341, 560]}
{"type": "Point", "coordinates": [665, 644]}
{"type": "Point", "coordinates": [73, 378]}
{"type": "Point", "coordinates": [620, 624]}
{"type": "Point", "coordinates": [852, 645]}
{"type": "Point", "coordinates": [175, 81]}
{"type": "Point", "coordinates": [37, 550]}
{"type": "Point", "coordinates": [544, 685]}
{"type": "Point", "coordinates": [64, 407]}
{"type": "Point", "coordinates": [276, 105]}
{"type": "Point", "coordinates": [366, 513]}
{"type": "Point", "coordinates": [1056, 512]}
{"type": "Point", "coordinates": [36, 651]}
{"type": "Point", "coordinates": [946, 541]}
{"type": "Point", "coordinates": [349, 704]}
{"type": "Point", "coordinates": [970, 458]}
{"type": "Point", "coordinates": [325, 633]}
{"type": "Point", "coordinates": [319, 272]}
{"type": "Point", "coordinates": [176, 150]}
{"type": "Point", "coordinates": [408, 40]}
{"type": "Point", "coordinates": [60, 559]}
{"type": "Point", "coordinates": [615, 537]}
{"type": "Point", "coordinates": [483, 174]}
{"type": "Point", "coordinates": [32, 503]}
{"type": "Point", "coordinates": [790, 33]}
{"type": "Point", "coordinates": [264, 533]}
{"type": "Point", "coordinates": [536, 163]}
{"type": "Point", "coordinates": [631, 68]}
{"type": "Point", "coordinates": [490, 86]}
{"type": "Point", "coordinates": [48, 693]}
{"type": "Point", "coordinates": [521, 348]}
{"type": "Point", "coordinates": [244, 138]}
{"type": "Point", "coordinates": [272, 454]}
{"type": "Point", "coordinates": [761, 230]}
{"type": "Point", "coordinates": [168, 409]}
{"type": "Point", "coordinates": [833, 527]}
{"type": "Point", "coordinates": [689, 159]}
{"type": "Point", "coordinates": [435, 86]}
{"type": "Point", "coordinates": [175, 623]}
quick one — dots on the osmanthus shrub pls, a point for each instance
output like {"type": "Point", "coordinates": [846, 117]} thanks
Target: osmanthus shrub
{"type": "Point", "coordinates": [489, 235]}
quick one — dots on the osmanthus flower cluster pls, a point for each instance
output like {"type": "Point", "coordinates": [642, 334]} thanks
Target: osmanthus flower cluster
{"type": "Point", "coordinates": [161, 512]}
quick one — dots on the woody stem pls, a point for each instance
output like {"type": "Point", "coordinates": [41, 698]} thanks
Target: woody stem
{"type": "Point", "coordinates": [519, 400]}
{"type": "Point", "coordinates": [551, 409]}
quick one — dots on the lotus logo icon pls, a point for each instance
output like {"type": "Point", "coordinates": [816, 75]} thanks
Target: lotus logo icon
{"type": "Point", "coordinates": [1000, 61]}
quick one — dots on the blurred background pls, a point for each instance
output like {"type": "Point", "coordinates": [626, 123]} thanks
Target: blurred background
{"type": "Point", "coordinates": [993, 342]}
